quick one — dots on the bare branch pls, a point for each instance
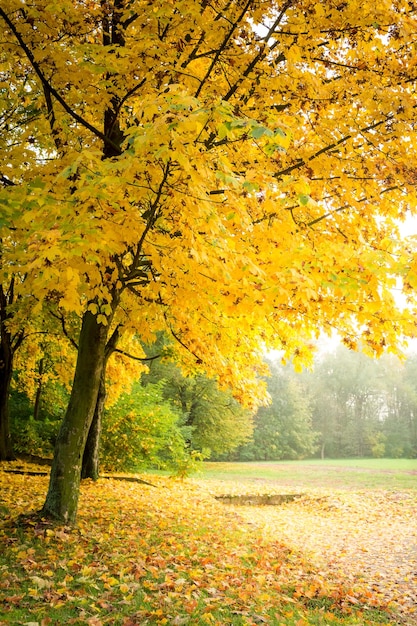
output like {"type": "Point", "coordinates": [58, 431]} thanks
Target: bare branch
{"type": "Point", "coordinates": [61, 319]}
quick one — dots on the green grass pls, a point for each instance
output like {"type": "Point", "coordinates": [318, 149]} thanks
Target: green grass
{"type": "Point", "coordinates": [392, 474]}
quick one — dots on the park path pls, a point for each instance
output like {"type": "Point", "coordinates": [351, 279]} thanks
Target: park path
{"type": "Point", "coordinates": [368, 538]}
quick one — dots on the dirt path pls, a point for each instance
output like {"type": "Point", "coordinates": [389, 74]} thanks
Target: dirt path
{"type": "Point", "coordinates": [369, 538]}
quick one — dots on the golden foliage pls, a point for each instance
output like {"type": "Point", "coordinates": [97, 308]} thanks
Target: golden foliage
{"type": "Point", "coordinates": [246, 189]}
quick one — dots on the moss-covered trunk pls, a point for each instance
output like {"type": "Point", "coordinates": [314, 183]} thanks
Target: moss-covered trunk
{"type": "Point", "coordinates": [62, 498]}
{"type": "Point", "coordinates": [91, 457]}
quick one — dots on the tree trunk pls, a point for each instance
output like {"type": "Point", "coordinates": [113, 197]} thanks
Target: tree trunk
{"type": "Point", "coordinates": [38, 394]}
{"type": "Point", "coordinates": [91, 457]}
{"type": "Point", "coordinates": [6, 369]}
{"type": "Point", "coordinates": [8, 346]}
{"type": "Point", "coordinates": [323, 445]}
{"type": "Point", "coordinates": [62, 498]}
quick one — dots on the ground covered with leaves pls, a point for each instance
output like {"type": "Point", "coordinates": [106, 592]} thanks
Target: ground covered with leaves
{"type": "Point", "coordinates": [368, 537]}
{"type": "Point", "coordinates": [172, 554]}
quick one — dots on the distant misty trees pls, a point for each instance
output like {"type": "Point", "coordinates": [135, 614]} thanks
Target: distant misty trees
{"type": "Point", "coordinates": [348, 406]}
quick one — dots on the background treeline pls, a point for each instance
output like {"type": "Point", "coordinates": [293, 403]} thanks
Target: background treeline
{"type": "Point", "coordinates": [362, 407]}
{"type": "Point", "coordinates": [348, 406]}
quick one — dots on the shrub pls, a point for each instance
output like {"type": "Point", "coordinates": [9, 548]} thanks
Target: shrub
{"type": "Point", "coordinates": [142, 430]}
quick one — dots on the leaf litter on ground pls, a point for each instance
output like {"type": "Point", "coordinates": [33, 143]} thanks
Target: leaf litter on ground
{"type": "Point", "coordinates": [174, 555]}
{"type": "Point", "coordinates": [368, 537]}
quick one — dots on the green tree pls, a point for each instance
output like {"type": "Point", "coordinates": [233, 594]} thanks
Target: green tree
{"type": "Point", "coordinates": [400, 423]}
{"type": "Point", "coordinates": [216, 422]}
{"type": "Point", "coordinates": [363, 407]}
{"type": "Point", "coordinates": [283, 430]}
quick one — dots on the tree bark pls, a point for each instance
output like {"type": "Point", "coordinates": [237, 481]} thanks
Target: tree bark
{"type": "Point", "coordinates": [8, 346]}
{"type": "Point", "coordinates": [6, 369]}
{"type": "Point", "coordinates": [91, 456]}
{"type": "Point", "coordinates": [38, 394]}
{"type": "Point", "coordinates": [62, 498]}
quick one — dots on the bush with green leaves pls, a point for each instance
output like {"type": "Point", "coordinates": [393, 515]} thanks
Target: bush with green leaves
{"type": "Point", "coordinates": [36, 436]}
{"type": "Point", "coordinates": [142, 430]}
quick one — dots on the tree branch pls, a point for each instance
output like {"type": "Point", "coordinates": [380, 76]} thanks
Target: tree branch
{"type": "Point", "coordinates": [262, 52]}
{"type": "Point", "coordinates": [223, 46]}
{"type": "Point", "coordinates": [152, 213]}
{"type": "Point", "coordinates": [61, 319]}
{"type": "Point", "coordinates": [46, 85]}
{"type": "Point", "coordinates": [198, 359]}
{"type": "Point", "coordinates": [347, 206]}
{"type": "Point", "coordinates": [138, 358]}
{"type": "Point", "coordinates": [331, 146]}
{"type": "Point", "coordinates": [6, 181]}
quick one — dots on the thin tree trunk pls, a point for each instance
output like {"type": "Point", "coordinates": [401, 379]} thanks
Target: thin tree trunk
{"type": "Point", "coordinates": [38, 394]}
{"type": "Point", "coordinates": [62, 498]}
{"type": "Point", "coordinates": [8, 347]}
{"type": "Point", "coordinates": [91, 456]}
{"type": "Point", "coordinates": [6, 369]}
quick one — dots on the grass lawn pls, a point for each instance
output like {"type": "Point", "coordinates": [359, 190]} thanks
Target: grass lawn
{"type": "Point", "coordinates": [330, 473]}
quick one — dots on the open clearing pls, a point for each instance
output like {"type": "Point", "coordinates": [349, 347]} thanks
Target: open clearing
{"type": "Point", "coordinates": [388, 474]}
{"type": "Point", "coordinates": [356, 518]}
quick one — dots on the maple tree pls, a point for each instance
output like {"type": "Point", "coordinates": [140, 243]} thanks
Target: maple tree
{"type": "Point", "coordinates": [231, 173]}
